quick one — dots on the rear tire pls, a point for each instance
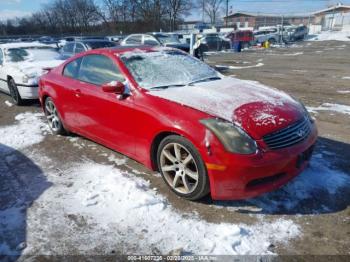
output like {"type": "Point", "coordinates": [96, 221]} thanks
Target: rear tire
{"type": "Point", "coordinates": [272, 41]}
{"type": "Point", "coordinates": [16, 97]}
{"type": "Point", "coordinates": [53, 117]}
{"type": "Point", "coordinates": [182, 168]}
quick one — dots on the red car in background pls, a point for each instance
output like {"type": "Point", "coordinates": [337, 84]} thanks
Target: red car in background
{"type": "Point", "coordinates": [244, 37]}
{"type": "Point", "coordinates": [203, 131]}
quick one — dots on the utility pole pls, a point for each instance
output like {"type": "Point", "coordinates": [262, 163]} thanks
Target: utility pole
{"type": "Point", "coordinates": [203, 6]}
{"type": "Point", "coordinates": [226, 12]}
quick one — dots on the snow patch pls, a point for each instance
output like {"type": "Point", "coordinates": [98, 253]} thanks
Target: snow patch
{"type": "Point", "coordinates": [119, 202]}
{"type": "Point", "coordinates": [8, 103]}
{"type": "Point", "coordinates": [331, 35]}
{"type": "Point", "coordinates": [238, 67]}
{"type": "Point", "coordinates": [118, 161]}
{"type": "Point", "coordinates": [294, 54]}
{"type": "Point", "coordinates": [343, 109]}
{"type": "Point", "coordinates": [25, 45]}
{"type": "Point", "coordinates": [28, 130]}
{"type": "Point", "coordinates": [343, 91]}
{"type": "Point", "coordinates": [319, 178]}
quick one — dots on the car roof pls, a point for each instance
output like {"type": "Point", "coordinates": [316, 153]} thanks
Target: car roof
{"type": "Point", "coordinates": [92, 40]}
{"type": "Point", "coordinates": [119, 50]}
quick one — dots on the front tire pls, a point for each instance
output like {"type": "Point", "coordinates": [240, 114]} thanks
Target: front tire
{"type": "Point", "coordinates": [182, 168]}
{"type": "Point", "coordinates": [16, 97]}
{"type": "Point", "coordinates": [53, 117]}
{"type": "Point", "coordinates": [272, 41]}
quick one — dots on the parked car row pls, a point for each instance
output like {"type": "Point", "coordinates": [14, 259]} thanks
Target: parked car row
{"type": "Point", "coordinates": [278, 34]}
{"type": "Point", "coordinates": [155, 39]}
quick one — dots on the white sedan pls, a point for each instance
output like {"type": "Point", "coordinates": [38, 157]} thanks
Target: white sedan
{"type": "Point", "coordinates": [21, 65]}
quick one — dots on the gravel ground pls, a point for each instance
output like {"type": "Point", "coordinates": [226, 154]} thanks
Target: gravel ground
{"type": "Point", "coordinates": [315, 72]}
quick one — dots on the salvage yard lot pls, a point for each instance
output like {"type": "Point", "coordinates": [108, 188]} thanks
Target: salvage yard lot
{"type": "Point", "coordinates": [68, 195]}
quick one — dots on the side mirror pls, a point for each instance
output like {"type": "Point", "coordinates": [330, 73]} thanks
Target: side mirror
{"type": "Point", "coordinates": [115, 87]}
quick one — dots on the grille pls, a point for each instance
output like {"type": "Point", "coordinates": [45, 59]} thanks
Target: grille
{"type": "Point", "coordinates": [289, 136]}
{"type": "Point", "coordinates": [265, 180]}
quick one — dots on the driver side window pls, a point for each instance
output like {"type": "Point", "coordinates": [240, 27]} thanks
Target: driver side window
{"type": "Point", "coordinates": [99, 70]}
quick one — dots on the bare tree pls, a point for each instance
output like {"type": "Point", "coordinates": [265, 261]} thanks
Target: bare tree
{"type": "Point", "coordinates": [212, 9]}
{"type": "Point", "coordinates": [86, 16]}
{"type": "Point", "coordinates": [176, 8]}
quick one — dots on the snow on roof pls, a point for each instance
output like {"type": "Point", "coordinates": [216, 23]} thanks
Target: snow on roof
{"type": "Point", "coordinates": [335, 7]}
{"type": "Point", "coordinates": [255, 14]}
{"type": "Point", "coordinates": [267, 14]}
{"type": "Point", "coordinates": [23, 45]}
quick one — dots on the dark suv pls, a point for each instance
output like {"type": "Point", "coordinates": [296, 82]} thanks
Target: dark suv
{"type": "Point", "coordinates": [72, 48]}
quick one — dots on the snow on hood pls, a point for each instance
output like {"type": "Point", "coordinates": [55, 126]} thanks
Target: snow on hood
{"type": "Point", "coordinates": [222, 97]}
{"type": "Point", "coordinates": [35, 68]}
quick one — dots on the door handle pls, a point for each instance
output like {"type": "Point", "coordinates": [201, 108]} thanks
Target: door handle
{"type": "Point", "coordinates": [77, 92]}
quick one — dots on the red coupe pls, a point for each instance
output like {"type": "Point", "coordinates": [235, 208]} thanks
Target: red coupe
{"type": "Point", "coordinates": [203, 131]}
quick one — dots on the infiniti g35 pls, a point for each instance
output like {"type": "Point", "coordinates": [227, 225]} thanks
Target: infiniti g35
{"type": "Point", "coordinates": [202, 131]}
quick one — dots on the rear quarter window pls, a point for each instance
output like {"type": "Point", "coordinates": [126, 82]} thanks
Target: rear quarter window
{"type": "Point", "coordinates": [71, 70]}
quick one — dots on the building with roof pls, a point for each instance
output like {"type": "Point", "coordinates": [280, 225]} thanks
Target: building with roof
{"type": "Point", "coordinates": [333, 17]}
{"type": "Point", "coordinates": [256, 20]}
{"type": "Point", "coordinates": [328, 18]}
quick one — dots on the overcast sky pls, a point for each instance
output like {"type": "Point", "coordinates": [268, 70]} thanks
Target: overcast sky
{"type": "Point", "coordinates": [20, 8]}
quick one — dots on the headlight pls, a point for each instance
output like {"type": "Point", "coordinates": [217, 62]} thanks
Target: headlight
{"type": "Point", "coordinates": [233, 138]}
{"type": "Point", "coordinates": [30, 80]}
{"type": "Point", "coordinates": [305, 110]}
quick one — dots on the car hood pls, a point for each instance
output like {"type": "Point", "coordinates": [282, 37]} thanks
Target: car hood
{"type": "Point", "coordinates": [256, 108]}
{"type": "Point", "coordinates": [35, 68]}
{"type": "Point", "coordinates": [178, 45]}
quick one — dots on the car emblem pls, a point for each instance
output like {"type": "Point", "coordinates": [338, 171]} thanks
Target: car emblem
{"type": "Point", "coordinates": [300, 133]}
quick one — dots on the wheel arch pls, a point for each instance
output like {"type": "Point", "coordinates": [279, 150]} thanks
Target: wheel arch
{"type": "Point", "coordinates": [163, 134]}
{"type": "Point", "coordinates": [9, 78]}
{"type": "Point", "coordinates": [155, 144]}
{"type": "Point", "coordinates": [44, 97]}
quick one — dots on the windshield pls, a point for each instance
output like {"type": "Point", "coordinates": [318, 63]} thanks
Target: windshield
{"type": "Point", "coordinates": [31, 54]}
{"type": "Point", "coordinates": [16, 54]}
{"type": "Point", "coordinates": [167, 39]}
{"type": "Point", "coordinates": [166, 68]}
{"type": "Point", "coordinates": [100, 44]}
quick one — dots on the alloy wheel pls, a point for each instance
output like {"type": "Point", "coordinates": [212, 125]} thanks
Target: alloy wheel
{"type": "Point", "coordinates": [52, 116]}
{"type": "Point", "coordinates": [179, 168]}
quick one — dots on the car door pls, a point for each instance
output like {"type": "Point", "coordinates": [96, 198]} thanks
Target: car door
{"type": "Point", "coordinates": [3, 74]}
{"type": "Point", "coordinates": [103, 116]}
{"type": "Point", "coordinates": [67, 86]}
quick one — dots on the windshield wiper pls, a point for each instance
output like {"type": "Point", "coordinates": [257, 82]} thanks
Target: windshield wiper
{"type": "Point", "coordinates": [207, 79]}
{"type": "Point", "coordinates": [166, 86]}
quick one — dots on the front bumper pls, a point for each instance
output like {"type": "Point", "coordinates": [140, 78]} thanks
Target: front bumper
{"type": "Point", "coordinates": [243, 177]}
{"type": "Point", "coordinates": [28, 91]}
